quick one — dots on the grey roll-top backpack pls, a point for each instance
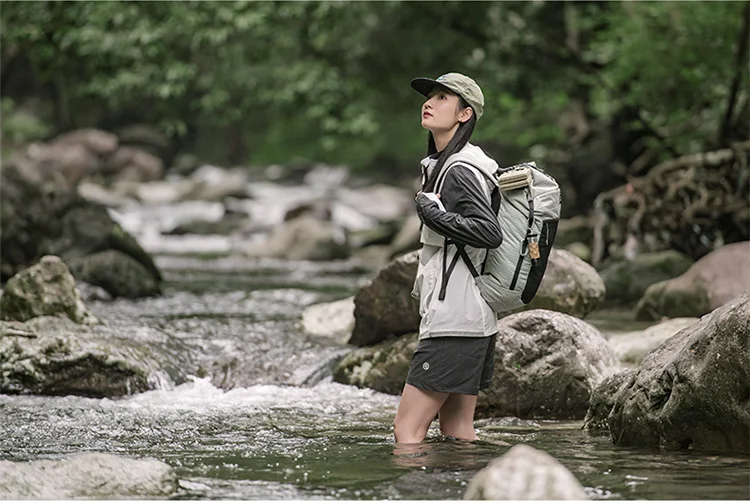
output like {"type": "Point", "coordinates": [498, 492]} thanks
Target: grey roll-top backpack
{"type": "Point", "coordinates": [527, 204]}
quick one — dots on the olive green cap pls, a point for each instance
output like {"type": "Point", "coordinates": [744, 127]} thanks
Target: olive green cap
{"type": "Point", "coordinates": [463, 86]}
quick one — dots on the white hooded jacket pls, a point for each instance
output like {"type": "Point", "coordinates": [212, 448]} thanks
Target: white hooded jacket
{"type": "Point", "coordinates": [463, 214]}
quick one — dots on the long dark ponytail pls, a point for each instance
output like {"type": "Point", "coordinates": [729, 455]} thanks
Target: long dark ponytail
{"type": "Point", "coordinates": [458, 142]}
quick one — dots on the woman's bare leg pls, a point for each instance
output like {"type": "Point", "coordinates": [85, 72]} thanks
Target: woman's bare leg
{"type": "Point", "coordinates": [416, 411]}
{"type": "Point", "coordinates": [457, 416]}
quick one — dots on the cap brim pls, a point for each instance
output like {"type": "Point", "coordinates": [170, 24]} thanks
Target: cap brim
{"type": "Point", "coordinates": [424, 86]}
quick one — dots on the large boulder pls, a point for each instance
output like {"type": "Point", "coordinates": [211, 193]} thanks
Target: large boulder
{"type": "Point", "coordinates": [633, 346]}
{"type": "Point", "coordinates": [382, 367]}
{"type": "Point", "coordinates": [693, 391]}
{"type": "Point", "coordinates": [709, 283]}
{"type": "Point", "coordinates": [603, 400]}
{"type": "Point", "coordinates": [46, 288]}
{"type": "Point", "coordinates": [87, 476]}
{"type": "Point", "coordinates": [385, 307]}
{"type": "Point", "coordinates": [55, 356]}
{"type": "Point", "coordinates": [37, 220]}
{"type": "Point", "coordinates": [626, 281]}
{"type": "Point", "coordinates": [546, 365]}
{"type": "Point", "coordinates": [570, 286]}
{"type": "Point", "coordinates": [525, 473]}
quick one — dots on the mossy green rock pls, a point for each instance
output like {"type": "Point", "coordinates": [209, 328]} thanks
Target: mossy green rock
{"type": "Point", "coordinates": [54, 356]}
{"type": "Point", "coordinates": [382, 367]}
{"type": "Point", "coordinates": [626, 281]}
{"type": "Point", "coordinates": [46, 288]}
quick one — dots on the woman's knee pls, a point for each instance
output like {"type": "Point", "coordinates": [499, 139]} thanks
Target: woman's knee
{"type": "Point", "coordinates": [407, 432]}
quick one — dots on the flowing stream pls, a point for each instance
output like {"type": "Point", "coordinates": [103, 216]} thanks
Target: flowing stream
{"type": "Point", "coordinates": [285, 430]}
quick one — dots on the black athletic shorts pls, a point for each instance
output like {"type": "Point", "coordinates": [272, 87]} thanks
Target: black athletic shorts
{"type": "Point", "coordinates": [457, 365]}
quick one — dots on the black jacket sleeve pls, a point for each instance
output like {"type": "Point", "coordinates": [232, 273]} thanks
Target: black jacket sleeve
{"type": "Point", "coordinates": [468, 217]}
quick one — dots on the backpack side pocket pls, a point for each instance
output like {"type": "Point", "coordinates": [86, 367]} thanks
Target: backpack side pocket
{"type": "Point", "coordinates": [536, 273]}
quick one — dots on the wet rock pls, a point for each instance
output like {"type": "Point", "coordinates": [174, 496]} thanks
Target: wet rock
{"type": "Point", "coordinates": [87, 476]}
{"type": "Point", "coordinates": [633, 346]}
{"type": "Point", "coordinates": [546, 365]}
{"type": "Point", "coordinates": [692, 391]}
{"type": "Point", "coordinates": [37, 221]}
{"type": "Point", "coordinates": [304, 238]}
{"type": "Point", "coordinates": [626, 281]}
{"type": "Point", "coordinates": [384, 307]}
{"type": "Point", "coordinates": [575, 229]}
{"type": "Point", "coordinates": [709, 283]}
{"type": "Point", "coordinates": [525, 473]}
{"type": "Point", "coordinates": [55, 356]}
{"type": "Point", "coordinates": [603, 400]}
{"type": "Point", "coordinates": [334, 320]}
{"type": "Point", "coordinates": [46, 288]}
{"type": "Point", "coordinates": [382, 367]}
{"type": "Point", "coordinates": [117, 273]}
{"type": "Point", "coordinates": [569, 286]}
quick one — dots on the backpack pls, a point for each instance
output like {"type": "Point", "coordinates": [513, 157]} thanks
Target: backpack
{"type": "Point", "coordinates": [527, 203]}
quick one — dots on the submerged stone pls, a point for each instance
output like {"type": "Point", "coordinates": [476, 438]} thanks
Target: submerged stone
{"type": "Point", "coordinates": [87, 476]}
{"type": "Point", "coordinates": [525, 473]}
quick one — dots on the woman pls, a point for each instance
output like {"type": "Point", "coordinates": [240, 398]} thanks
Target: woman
{"type": "Point", "coordinates": [454, 358]}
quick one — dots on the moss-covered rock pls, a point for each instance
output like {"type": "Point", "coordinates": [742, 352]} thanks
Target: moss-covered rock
{"type": "Point", "coordinates": [55, 356]}
{"type": "Point", "coordinates": [46, 288]}
{"type": "Point", "coordinates": [382, 367]}
{"type": "Point", "coordinates": [626, 281]}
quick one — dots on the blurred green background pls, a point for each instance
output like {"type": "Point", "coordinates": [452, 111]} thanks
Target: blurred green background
{"type": "Point", "coordinates": [254, 83]}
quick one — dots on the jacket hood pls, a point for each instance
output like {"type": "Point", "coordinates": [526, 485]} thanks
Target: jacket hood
{"type": "Point", "coordinates": [477, 157]}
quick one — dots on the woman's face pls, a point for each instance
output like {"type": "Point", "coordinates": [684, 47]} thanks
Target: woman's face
{"type": "Point", "coordinates": [442, 111]}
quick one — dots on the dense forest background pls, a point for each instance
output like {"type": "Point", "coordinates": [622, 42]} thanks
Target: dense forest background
{"type": "Point", "coordinates": [603, 89]}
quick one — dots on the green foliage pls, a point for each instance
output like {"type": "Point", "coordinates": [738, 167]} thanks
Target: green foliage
{"type": "Point", "coordinates": [19, 126]}
{"type": "Point", "coordinates": [329, 80]}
